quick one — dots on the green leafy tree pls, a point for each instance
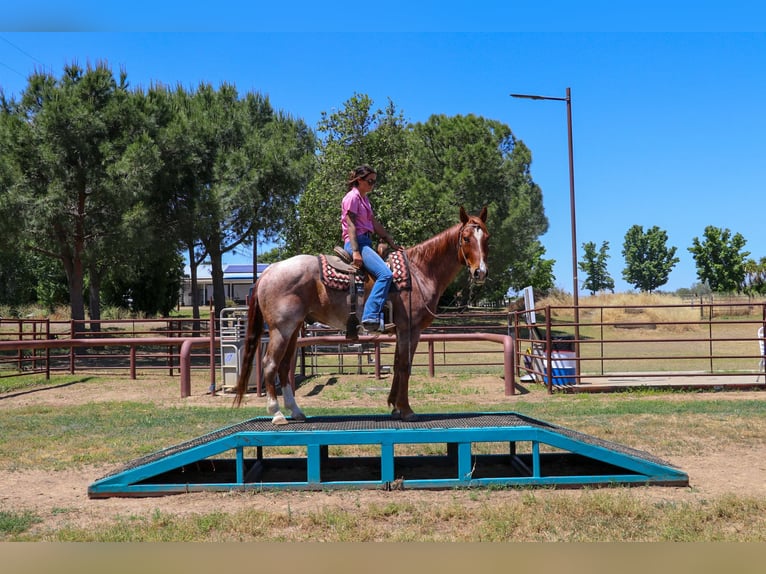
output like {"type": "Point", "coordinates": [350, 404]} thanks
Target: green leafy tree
{"type": "Point", "coordinates": [720, 259]}
{"type": "Point", "coordinates": [252, 164]}
{"type": "Point", "coordinates": [17, 278]}
{"type": "Point", "coordinates": [70, 140]}
{"type": "Point", "coordinates": [426, 171]}
{"type": "Point", "coordinates": [474, 161]}
{"type": "Point", "coordinates": [354, 135]}
{"type": "Point", "coordinates": [531, 268]}
{"type": "Point", "coordinates": [594, 266]}
{"type": "Point", "coordinates": [755, 277]}
{"type": "Point", "coordinates": [648, 259]}
{"type": "Point", "coordinates": [149, 285]}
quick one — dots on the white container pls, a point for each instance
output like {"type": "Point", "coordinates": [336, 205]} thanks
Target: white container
{"type": "Point", "coordinates": [563, 368]}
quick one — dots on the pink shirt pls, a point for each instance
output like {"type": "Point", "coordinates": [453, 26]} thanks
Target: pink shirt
{"type": "Point", "coordinates": [354, 202]}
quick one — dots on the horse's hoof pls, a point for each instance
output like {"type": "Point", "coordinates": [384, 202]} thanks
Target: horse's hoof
{"type": "Point", "coordinates": [279, 419]}
{"type": "Point", "coordinates": [396, 414]}
{"type": "Point", "coordinates": [299, 417]}
{"type": "Point", "coordinates": [409, 417]}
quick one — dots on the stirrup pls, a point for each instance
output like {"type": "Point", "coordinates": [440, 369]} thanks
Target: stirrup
{"type": "Point", "coordinates": [343, 254]}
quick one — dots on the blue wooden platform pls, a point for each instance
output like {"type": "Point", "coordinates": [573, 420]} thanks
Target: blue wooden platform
{"type": "Point", "coordinates": [437, 451]}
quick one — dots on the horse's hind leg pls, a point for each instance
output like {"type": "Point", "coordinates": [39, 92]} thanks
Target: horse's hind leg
{"type": "Point", "coordinates": [276, 349]}
{"type": "Point", "coordinates": [272, 403]}
{"type": "Point", "coordinates": [285, 368]}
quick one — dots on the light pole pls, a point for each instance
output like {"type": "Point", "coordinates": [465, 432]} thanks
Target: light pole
{"type": "Point", "coordinates": [573, 220]}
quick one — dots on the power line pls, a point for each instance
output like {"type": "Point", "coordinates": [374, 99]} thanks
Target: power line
{"type": "Point", "coordinates": [27, 54]}
{"type": "Point", "coordinates": [4, 65]}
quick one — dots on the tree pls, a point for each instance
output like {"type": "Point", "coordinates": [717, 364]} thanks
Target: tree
{"type": "Point", "coordinates": [425, 172]}
{"type": "Point", "coordinates": [755, 277]}
{"type": "Point", "coordinates": [594, 265]}
{"type": "Point", "coordinates": [720, 260]}
{"type": "Point", "coordinates": [71, 142]}
{"type": "Point", "coordinates": [474, 161]}
{"type": "Point", "coordinates": [349, 137]}
{"type": "Point", "coordinates": [648, 260]}
{"type": "Point", "coordinates": [255, 162]}
{"type": "Point", "coordinates": [148, 285]}
{"type": "Point", "coordinates": [17, 278]}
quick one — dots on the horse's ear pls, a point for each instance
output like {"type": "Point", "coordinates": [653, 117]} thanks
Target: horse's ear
{"type": "Point", "coordinates": [483, 214]}
{"type": "Point", "coordinates": [463, 215]}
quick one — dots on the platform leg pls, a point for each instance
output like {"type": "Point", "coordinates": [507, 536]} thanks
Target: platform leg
{"type": "Point", "coordinates": [464, 466]}
{"type": "Point", "coordinates": [240, 465]}
{"type": "Point", "coordinates": [387, 462]}
{"type": "Point", "coordinates": [314, 464]}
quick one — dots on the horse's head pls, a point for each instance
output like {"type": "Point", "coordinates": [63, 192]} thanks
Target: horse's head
{"type": "Point", "coordinates": [473, 244]}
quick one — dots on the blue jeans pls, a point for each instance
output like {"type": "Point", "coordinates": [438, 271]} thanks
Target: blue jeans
{"type": "Point", "coordinates": [376, 267]}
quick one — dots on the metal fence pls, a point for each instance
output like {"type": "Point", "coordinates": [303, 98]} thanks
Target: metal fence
{"type": "Point", "coordinates": [60, 358]}
{"type": "Point", "coordinates": [661, 341]}
{"type": "Point", "coordinates": [693, 339]}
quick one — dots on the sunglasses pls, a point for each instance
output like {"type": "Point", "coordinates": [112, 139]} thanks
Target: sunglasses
{"type": "Point", "coordinates": [370, 181]}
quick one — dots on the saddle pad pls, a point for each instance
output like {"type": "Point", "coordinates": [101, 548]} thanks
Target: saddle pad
{"type": "Point", "coordinates": [334, 279]}
{"type": "Point", "coordinates": [398, 265]}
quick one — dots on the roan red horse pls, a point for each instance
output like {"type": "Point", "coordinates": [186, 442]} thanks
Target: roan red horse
{"type": "Point", "coordinates": [291, 291]}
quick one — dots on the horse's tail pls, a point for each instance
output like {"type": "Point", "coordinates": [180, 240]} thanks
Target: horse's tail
{"type": "Point", "coordinates": [254, 331]}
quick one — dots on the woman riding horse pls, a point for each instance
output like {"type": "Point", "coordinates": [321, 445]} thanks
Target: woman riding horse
{"type": "Point", "coordinates": [291, 290]}
{"type": "Point", "coordinates": [358, 223]}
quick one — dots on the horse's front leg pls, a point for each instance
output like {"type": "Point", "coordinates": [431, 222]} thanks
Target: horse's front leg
{"type": "Point", "coordinates": [398, 397]}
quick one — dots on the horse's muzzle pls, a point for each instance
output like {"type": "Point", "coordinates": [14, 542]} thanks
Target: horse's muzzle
{"type": "Point", "coordinates": [479, 275]}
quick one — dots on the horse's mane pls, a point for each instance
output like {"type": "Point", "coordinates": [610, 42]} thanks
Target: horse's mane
{"type": "Point", "coordinates": [428, 250]}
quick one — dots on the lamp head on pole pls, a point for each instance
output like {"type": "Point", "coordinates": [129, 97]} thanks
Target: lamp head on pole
{"type": "Point", "coordinates": [535, 97]}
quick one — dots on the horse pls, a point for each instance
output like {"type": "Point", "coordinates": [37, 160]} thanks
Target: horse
{"type": "Point", "coordinates": [291, 291]}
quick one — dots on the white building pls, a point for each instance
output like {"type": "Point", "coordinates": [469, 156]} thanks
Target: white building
{"type": "Point", "coordinates": [237, 280]}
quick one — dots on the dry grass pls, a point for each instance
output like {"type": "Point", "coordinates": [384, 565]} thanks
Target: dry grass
{"type": "Point", "coordinates": [651, 310]}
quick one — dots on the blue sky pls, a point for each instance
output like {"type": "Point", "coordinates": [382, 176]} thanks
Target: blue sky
{"type": "Point", "coordinates": [669, 126]}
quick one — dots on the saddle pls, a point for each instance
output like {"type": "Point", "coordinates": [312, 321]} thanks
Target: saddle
{"type": "Point", "coordinates": [337, 272]}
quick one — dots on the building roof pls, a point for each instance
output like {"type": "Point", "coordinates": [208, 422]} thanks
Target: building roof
{"type": "Point", "coordinates": [232, 271]}
{"type": "Point", "coordinates": [243, 269]}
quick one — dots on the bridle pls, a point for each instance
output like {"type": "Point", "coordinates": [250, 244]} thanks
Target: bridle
{"type": "Point", "coordinates": [461, 247]}
{"type": "Point", "coordinates": [461, 250]}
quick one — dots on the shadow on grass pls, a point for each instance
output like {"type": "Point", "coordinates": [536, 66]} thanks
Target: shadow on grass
{"type": "Point", "coordinates": [13, 394]}
{"type": "Point", "coordinates": [319, 388]}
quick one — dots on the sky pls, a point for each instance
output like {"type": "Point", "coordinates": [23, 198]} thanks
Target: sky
{"type": "Point", "coordinates": [667, 98]}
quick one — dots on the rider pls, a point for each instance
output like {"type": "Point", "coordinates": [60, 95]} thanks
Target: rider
{"type": "Point", "coordinates": [358, 224]}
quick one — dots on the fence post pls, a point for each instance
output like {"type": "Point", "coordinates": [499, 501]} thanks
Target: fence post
{"type": "Point", "coordinates": [211, 388]}
{"type": "Point", "coordinates": [549, 362]}
{"type": "Point", "coordinates": [185, 361]}
{"type": "Point", "coordinates": [431, 359]}
{"type": "Point", "coordinates": [258, 367]}
{"type": "Point", "coordinates": [47, 350]}
{"type": "Point", "coordinates": [509, 365]}
{"type": "Point", "coordinates": [133, 362]}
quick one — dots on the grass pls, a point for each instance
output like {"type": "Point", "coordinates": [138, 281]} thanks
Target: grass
{"type": "Point", "coordinates": [490, 516]}
{"type": "Point", "coordinates": [95, 433]}
{"type": "Point", "coordinates": [14, 523]}
{"type": "Point", "coordinates": [61, 438]}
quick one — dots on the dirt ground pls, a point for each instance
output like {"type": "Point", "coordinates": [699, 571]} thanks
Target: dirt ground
{"type": "Point", "coordinates": [60, 497]}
